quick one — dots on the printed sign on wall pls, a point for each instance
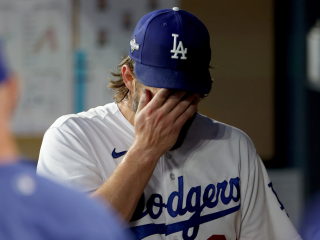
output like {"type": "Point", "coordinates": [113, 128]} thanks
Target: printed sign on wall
{"type": "Point", "coordinates": [37, 37]}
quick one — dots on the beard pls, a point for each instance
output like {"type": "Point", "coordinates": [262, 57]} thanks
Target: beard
{"type": "Point", "coordinates": [184, 130]}
{"type": "Point", "coordinates": [135, 102]}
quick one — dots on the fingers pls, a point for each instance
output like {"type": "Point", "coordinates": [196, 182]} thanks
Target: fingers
{"type": "Point", "coordinates": [181, 107]}
{"type": "Point", "coordinates": [173, 100]}
{"type": "Point", "coordinates": [191, 109]}
{"type": "Point", "coordinates": [160, 97]}
{"type": "Point", "coordinates": [144, 100]}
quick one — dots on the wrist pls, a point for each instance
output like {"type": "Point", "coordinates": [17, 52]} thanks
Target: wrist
{"type": "Point", "coordinates": [144, 155]}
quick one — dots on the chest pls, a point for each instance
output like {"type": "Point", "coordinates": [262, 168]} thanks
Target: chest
{"type": "Point", "coordinates": [191, 195]}
{"type": "Point", "coordinates": [189, 199]}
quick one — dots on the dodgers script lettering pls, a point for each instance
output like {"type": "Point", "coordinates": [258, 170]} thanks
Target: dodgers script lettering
{"type": "Point", "coordinates": [210, 199]}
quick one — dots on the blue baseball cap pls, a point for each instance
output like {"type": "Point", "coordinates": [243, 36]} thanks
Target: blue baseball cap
{"type": "Point", "coordinates": [171, 48]}
{"type": "Point", "coordinates": [3, 66]}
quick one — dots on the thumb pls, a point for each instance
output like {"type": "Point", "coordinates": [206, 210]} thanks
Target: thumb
{"type": "Point", "coordinates": [144, 100]}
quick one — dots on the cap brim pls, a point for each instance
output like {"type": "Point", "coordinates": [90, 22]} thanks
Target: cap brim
{"type": "Point", "coordinates": [198, 81]}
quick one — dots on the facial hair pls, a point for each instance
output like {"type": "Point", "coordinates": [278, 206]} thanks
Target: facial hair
{"type": "Point", "coordinates": [183, 131]}
{"type": "Point", "coordinates": [136, 97]}
{"type": "Point", "coordinates": [135, 102]}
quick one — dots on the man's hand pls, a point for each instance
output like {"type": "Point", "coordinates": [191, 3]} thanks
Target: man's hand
{"type": "Point", "coordinates": [158, 121]}
{"type": "Point", "coordinates": [157, 126]}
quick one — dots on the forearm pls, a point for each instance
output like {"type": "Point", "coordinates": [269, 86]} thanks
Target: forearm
{"type": "Point", "coordinates": [124, 187]}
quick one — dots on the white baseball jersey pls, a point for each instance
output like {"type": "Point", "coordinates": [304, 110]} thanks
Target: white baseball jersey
{"type": "Point", "coordinates": [215, 187]}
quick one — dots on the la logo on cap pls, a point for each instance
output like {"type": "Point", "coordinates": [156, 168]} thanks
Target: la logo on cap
{"type": "Point", "coordinates": [134, 45]}
{"type": "Point", "coordinates": [180, 48]}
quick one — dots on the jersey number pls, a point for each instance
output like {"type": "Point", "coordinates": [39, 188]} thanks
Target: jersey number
{"type": "Point", "coordinates": [281, 205]}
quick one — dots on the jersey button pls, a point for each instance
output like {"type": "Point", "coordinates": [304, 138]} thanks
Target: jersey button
{"type": "Point", "coordinates": [168, 155]}
{"type": "Point", "coordinates": [172, 176]}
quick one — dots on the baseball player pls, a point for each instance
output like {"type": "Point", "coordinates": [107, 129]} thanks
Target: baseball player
{"type": "Point", "coordinates": [34, 208]}
{"type": "Point", "coordinates": [170, 171]}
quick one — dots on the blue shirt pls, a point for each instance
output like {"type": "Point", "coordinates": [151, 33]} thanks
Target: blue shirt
{"type": "Point", "coordinates": [35, 208]}
{"type": "Point", "coordinates": [310, 221]}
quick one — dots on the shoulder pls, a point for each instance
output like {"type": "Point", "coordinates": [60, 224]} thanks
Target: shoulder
{"type": "Point", "coordinates": [55, 209]}
{"type": "Point", "coordinates": [214, 136]}
{"type": "Point", "coordinates": [85, 123]}
{"type": "Point", "coordinates": [94, 114]}
{"type": "Point", "coordinates": [216, 130]}
{"type": "Point", "coordinates": [25, 182]}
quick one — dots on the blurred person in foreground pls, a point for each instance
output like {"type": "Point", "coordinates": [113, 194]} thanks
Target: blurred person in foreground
{"type": "Point", "coordinates": [310, 221]}
{"type": "Point", "coordinates": [34, 208]}
{"type": "Point", "coordinates": [170, 171]}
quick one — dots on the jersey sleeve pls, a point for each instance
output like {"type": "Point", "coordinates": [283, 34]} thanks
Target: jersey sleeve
{"type": "Point", "coordinates": [263, 214]}
{"type": "Point", "coordinates": [67, 159]}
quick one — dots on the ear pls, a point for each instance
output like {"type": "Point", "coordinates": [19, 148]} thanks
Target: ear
{"type": "Point", "coordinates": [12, 94]}
{"type": "Point", "coordinates": [8, 98]}
{"type": "Point", "coordinates": [128, 77]}
{"type": "Point", "coordinates": [14, 91]}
